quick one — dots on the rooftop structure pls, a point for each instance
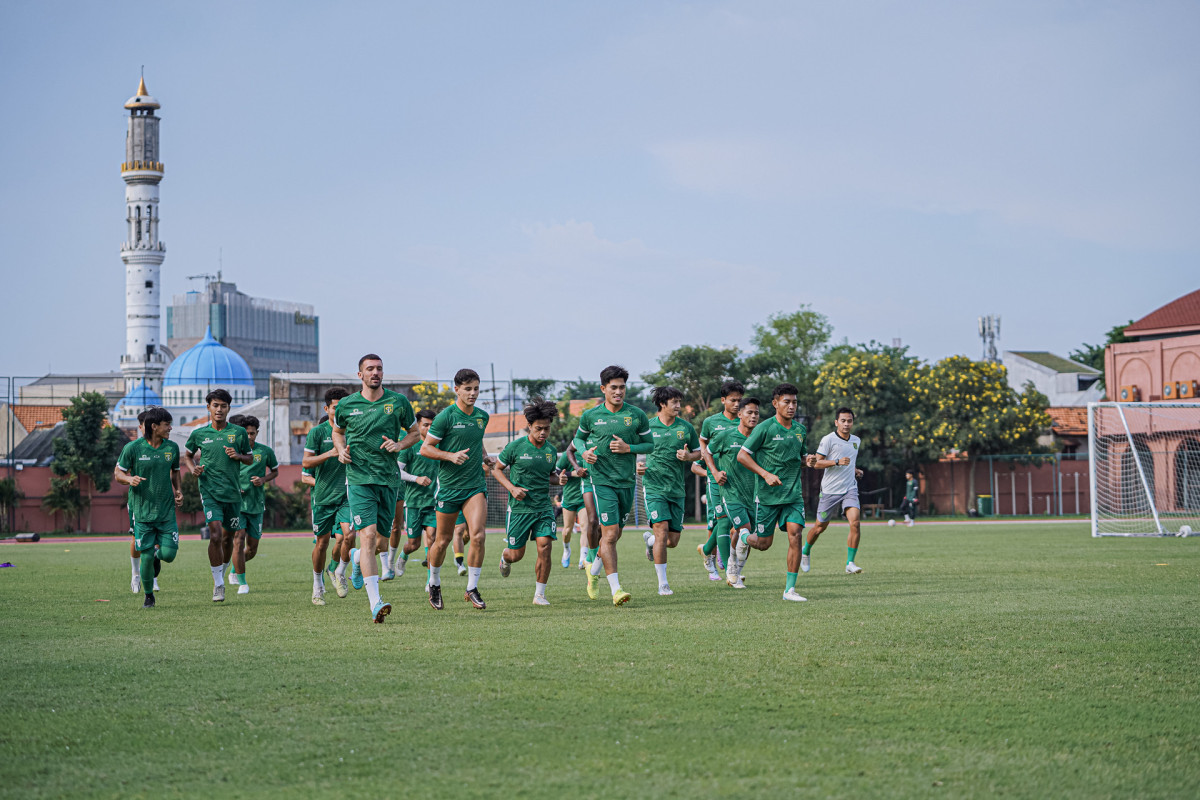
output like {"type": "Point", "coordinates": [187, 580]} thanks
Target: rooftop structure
{"type": "Point", "coordinates": [1063, 381]}
{"type": "Point", "coordinates": [1163, 360]}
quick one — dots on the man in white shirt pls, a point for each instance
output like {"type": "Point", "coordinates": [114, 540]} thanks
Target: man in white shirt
{"type": "Point", "coordinates": [837, 454]}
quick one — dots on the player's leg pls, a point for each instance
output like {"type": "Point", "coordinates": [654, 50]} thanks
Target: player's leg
{"type": "Point", "coordinates": [795, 535]}
{"type": "Point", "coordinates": [541, 569]}
{"type": "Point", "coordinates": [591, 531]}
{"type": "Point", "coordinates": [739, 521]}
{"type": "Point", "coordinates": [394, 536]}
{"type": "Point", "coordinates": [372, 507]}
{"type": "Point", "coordinates": [475, 511]}
{"type": "Point", "coordinates": [852, 516]}
{"type": "Point", "coordinates": [516, 535]}
{"type": "Point", "coordinates": [135, 563]}
{"type": "Point", "coordinates": [661, 532]}
{"type": "Point", "coordinates": [459, 543]}
{"type": "Point", "coordinates": [216, 556]}
{"type": "Point", "coordinates": [569, 516]}
{"type": "Point", "coordinates": [319, 551]}
{"type": "Point", "coordinates": [612, 504]}
{"type": "Point", "coordinates": [443, 534]}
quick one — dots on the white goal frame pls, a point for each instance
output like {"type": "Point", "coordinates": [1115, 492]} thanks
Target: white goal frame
{"type": "Point", "coordinates": [1129, 503]}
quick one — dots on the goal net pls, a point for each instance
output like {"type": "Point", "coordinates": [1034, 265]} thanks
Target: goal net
{"type": "Point", "coordinates": [1145, 468]}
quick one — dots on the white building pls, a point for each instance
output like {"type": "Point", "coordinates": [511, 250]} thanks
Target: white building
{"type": "Point", "coordinates": [1065, 382]}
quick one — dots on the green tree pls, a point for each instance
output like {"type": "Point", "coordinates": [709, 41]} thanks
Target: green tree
{"type": "Point", "coordinates": [65, 498]}
{"type": "Point", "coordinates": [89, 447]}
{"type": "Point", "coordinates": [965, 406]}
{"type": "Point", "coordinates": [872, 380]}
{"type": "Point", "coordinates": [789, 348]}
{"type": "Point", "coordinates": [697, 371]}
{"type": "Point", "coordinates": [534, 387]}
{"type": "Point", "coordinates": [288, 510]}
{"type": "Point", "coordinates": [580, 389]}
{"type": "Point", "coordinates": [190, 486]}
{"type": "Point", "coordinates": [1093, 354]}
{"type": "Point", "coordinates": [10, 498]}
{"type": "Point", "coordinates": [431, 394]}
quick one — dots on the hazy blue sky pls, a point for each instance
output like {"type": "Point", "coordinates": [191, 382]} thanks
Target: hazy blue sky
{"type": "Point", "coordinates": [556, 186]}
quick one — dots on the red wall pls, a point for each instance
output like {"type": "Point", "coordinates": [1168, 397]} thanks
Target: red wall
{"type": "Point", "coordinates": [108, 512]}
{"type": "Point", "coordinates": [1014, 479]}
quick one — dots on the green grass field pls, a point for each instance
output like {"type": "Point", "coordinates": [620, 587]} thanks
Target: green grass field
{"type": "Point", "coordinates": [966, 661]}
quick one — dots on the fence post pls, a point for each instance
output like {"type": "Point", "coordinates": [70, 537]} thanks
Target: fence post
{"type": "Point", "coordinates": [1029, 489]}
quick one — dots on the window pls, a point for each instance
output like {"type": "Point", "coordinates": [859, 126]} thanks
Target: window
{"type": "Point", "coordinates": [149, 284]}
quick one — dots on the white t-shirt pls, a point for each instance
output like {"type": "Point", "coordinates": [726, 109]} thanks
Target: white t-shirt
{"type": "Point", "coordinates": [838, 480]}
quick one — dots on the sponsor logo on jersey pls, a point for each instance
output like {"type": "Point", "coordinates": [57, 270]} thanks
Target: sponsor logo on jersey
{"type": "Point", "coordinates": [356, 412]}
{"type": "Point", "coordinates": [206, 441]}
{"type": "Point", "coordinates": [144, 458]}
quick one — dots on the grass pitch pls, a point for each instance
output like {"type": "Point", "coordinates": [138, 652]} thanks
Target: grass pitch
{"type": "Point", "coordinates": [1024, 660]}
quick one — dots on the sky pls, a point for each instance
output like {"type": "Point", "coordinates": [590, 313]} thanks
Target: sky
{"type": "Point", "coordinates": [548, 188]}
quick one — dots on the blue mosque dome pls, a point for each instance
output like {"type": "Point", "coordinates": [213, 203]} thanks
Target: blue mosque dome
{"type": "Point", "coordinates": [139, 398]}
{"type": "Point", "coordinates": [209, 363]}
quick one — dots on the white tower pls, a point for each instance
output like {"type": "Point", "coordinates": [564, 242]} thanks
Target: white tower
{"type": "Point", "coordinates": [142, 252]}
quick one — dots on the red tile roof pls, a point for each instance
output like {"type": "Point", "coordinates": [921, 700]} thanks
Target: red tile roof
{"type": "Point", "coordinates": [1181, 313]}
{"type": "Point", "coordinates": [1068, 420]}
{"type": "Point", "coordinates": [33, 417]}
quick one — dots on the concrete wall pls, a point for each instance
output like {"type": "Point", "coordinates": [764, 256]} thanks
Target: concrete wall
{"type": "Point", "coordinates": [945, 485]}
{"type": "Point", "coordinates": [1150, 365]}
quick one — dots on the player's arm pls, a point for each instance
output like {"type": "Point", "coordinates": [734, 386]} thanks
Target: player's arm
{"type": "Point", "coordinates": [244, 452]}
{"type": "Point", "coordinates": [645, 440]}
{"type": "Point", "coordinates": [339, 443]}
{"type": "Point", "coordinates": [693, 451]}
{"type": "Point", "coordinates": [311, 459]}
{"type": "Point", "coordinates": [579, 443]}
{"type": "Point", "coordinates": [698, 469]}
{"type": "Point", "coordinates": [824, 461]}
{"type": "Point", "coordinates": [189, 463]}
{"type": "Point", "coordinates": [307, 478]}
{"type": "Point", "coordinates": [412, 437]}
{"type": "Point", "coordinates": [430, 449]}
{"type": "Point", "coordinates": [500, 473]}
{"type": "Point", "coordinates": [745, 457]}
{"type": "Point", "coordinates": [177, 483]}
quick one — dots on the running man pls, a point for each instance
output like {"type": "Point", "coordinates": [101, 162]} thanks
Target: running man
{"type": "Point", "coordinates": [135, 558]}
{"type": "Point", "coordinates": [611, 436]}
{"type": "Point", "coordinates": [714, 510]}
{"type": "Point", "coordinates": [530, 463]}
{"type": "Point", "coordinates": [572, 506]}
{"type": "Point", "coordinates": [737, 492]}
{"type": "Point", "coordinates": [328, 502]}
{"type": "Point", "coordinates": [837, 454]}
{"type": "Point", "coordinates": [455, 441]}
{"type": "Point", "coordinates": [369, 429]}
{"type": "Point", "coordinates": [418, 474]}
{"type": "Point", "coordinates": [222, 449]}
{"type": "Point", "coordinates": [676, 446]}
{"type": "Point", "coordinates": [149, 466]}
{"type": "Point", "coordinates": [775, 452]}
{"type": "Point", "coordinates": [589, 545]}
{"type": "Point", "coordinates": [909, 504]}
{"type": "Point", "coordinates": [254, 477]}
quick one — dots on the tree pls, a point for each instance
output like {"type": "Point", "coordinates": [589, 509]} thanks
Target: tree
{"type": "Point", "coordinates": [580, 389]}
{"type": "Point", "coordinates": [430, 394]}
{"type": "Point", "coordinates": [1093, 354]}
{"type": "Point", "coordinates": [286, 509]}
{"type": "Point", "coordinates": [10, 497]}
{"type": "Point", "coordinates": [965, 406]}
{"type": "Point", "coordinates": [192, 502]}
{"type": "Point", "coordinates": [696, 370]}
{"type": "Point", "coordinates": [871, 379]}
{"type": "Point", "coordinates": [534, 387]}
{"type": "Point", "coordinates": [65, 498]}
{"type": "Point", "coordinates": [89, 447]}
{"type": "Point", "coordinates": [789, 348]}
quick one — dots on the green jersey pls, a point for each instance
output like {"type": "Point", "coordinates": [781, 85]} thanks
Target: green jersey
{"type": "Point", "coordinates": [780, 451]}
{"type": "Point", "coordinates": [254, 498]}
{"type": "Point", "coordinates": [597, 427]}
{"type": "Point", "coordinates": [739, 481]}
{"type": "Point", "coordinates": [572, 493]}
{"type": "Point", "coordinates": [910, 490]}
{"type": "Point", "coordinates": [221, 480]}
{"type": "Point", "coordinates": [529, 468]}
{"type": "Point", "coordinates": [665, 473]}
{"type": "Point", "coordinates": [366, 423]}
{"type": "Point", "coordinates": [330, 474]}
{"type": "Point", "coordinates": [453, 430]}
{"type": "Point", "coordinates": [412, 462]}
{"type": "Point", "coordinates": [153, 500]}
{"type": "Point", "coordinates": [712, 426]}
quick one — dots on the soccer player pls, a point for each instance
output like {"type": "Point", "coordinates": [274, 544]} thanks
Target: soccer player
{"type": "Point", "coordinates": [254, 476]}
{"type": "Point", "coordinates": [572, 506]}
{"type": "Point", "coordinates": [718, 521]}
{"type": "Point", "coordinates": [418, 474]}
{"type": "Point", "coordinates": [611, 436]}
{"type": "Point", "coordinates": [328, 502]}
{"type": "Point", "coordinates": [737, 492]}
{"type": "Point", "coordinates": [775, 452]}
{"type": "Point", "coordinates": [909, 504]}
{"type": "Point", "coordinates": [530, 463]}
{"type": "Point", "coordinates": [837, 454]}
{"type": "Point", "coordinates": [215, 453]}
{"type": "Point", "coordinates": [676, 446]}
{"type": "Point", "coordinates": [369, 429]}
{"type": "Point", "coordinates": [135, 559]}
{"type": "Point", "coordinates": [589, 544]}
{"type": "Point", "coordinates": [455, 441]}
{"type": "Point", "coordinates": [149, 466]}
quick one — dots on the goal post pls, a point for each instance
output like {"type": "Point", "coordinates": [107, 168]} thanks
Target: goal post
{"type": "Point", "coordinates": [1145, 468]}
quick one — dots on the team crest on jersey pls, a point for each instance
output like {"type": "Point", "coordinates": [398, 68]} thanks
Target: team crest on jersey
{"type": "Point", "coordinates": [168, 455]}
{"type": "Point", "coordinates": [628, 421]}
{"type": "Point", "coordinates": [387, 408]}
{"type": "Point", "coordinates": [855, 445]}
{"type": "Point", "coordinates": [549, 457]}
{"type": "Point", "coordinates": [479, 422]}
{"type": "Point", "coordinates": [231, 437]}
{"type": "Point", "coordinates": [257, 457]}
{"type": "Point", "coordinates": [679, 434]}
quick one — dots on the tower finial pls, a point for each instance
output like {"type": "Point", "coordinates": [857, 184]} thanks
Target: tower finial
{"type": "Point", "coordinates": [142, 85]}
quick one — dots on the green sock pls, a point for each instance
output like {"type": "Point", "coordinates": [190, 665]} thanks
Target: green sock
{"type": "Point", "coordinates": [146, 570]}
{"type": "Point", "coordinates": [850, 553]}
{"type": "Point", "coordinates": [241, 578]}
{"type": "Point", "coordinates": [744, 536]}
{"type": "Point", "coordinates": [806, 548]}
{"type": "Point", "coordinates": [592, 552]}
{"type": "Point", "coordinates": [711, 544]}
{"type": "Point", "coordinates": [791, 582]}
{"type": "Point", "coordinates": [403, 556]}
{"type": "Point", "coordinates": [723, 547]}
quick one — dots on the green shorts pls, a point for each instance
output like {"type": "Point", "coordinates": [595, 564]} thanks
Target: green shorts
{"type": "Point", "coordinates": [372, 504]}
{"type": "Point", "coordinates": [520, 526]}
{"type": "Point", "coordinates": [740, 516]}
{"type": "Point", "coordinates": [613, 504]}
{"type": "Point", "coordinates": [228, 514]}
{"type": "Point", "coordinates": [253, 524]}
{"type": "Point", "coordinates": [451, 501]}
{"type": "Point", "coordinates": [768, 518]}
{"type": "Point", "coordinates": [665, 509]}
{"type": "Point", "coordinates": [327, 520]}
{"type": "Point", "coordinates": [714, 509]}
{"type": "Point", "coordinates": [148, 534]}
{"type": "Point", "coordinates": [416, 520]}
{"type": "Point", "coordinates": [586, 486]}
{"type": "Point", "coordinates": [572, 497]}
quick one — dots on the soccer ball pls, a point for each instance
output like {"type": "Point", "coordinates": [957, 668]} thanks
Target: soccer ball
{"type": "Point", "coordinates": [1184, 531]}
{"type": "Point", "coordinates": [891, 523]}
